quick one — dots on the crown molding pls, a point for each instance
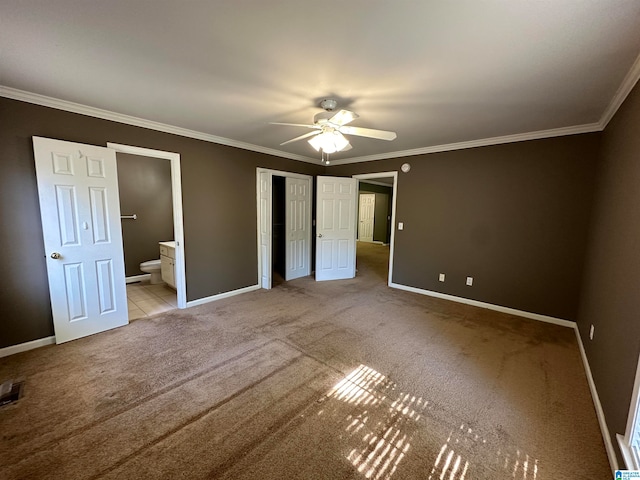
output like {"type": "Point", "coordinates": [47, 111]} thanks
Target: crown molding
{"type": "Point", "coordinates": [484, 142]}
{"type": "Point", "coordinates": [629, 82]}
{"type": "Point", "coordinates": [73, 107]}
{"type": "Point", "coordinates": [627, 85]}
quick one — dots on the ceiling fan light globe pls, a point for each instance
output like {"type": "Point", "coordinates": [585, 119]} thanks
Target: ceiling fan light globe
{"type": "Point", "coordinates": [316, 142]}
{"type": "Point", "coordinates": [339, 141]}
{"type": "Point", "coordinates": [329, 142]}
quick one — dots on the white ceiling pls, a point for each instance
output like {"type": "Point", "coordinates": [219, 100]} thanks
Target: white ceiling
{"type": "Point", "coordinates": [436, 72]}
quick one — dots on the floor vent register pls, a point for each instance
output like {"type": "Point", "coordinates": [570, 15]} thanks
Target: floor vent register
{"type": "Point", "coordinates": [10, 392]}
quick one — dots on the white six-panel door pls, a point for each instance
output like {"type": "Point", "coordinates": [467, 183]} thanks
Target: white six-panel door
{"type": "Point", "coordinates": [297, 231]}
{"type": "Point", "coordinates": [80, 210]}
{"type": "Point", "coordinates": [264, 228]}
{"type": "Point", "coordinates": [336, 228]}
{"type": "Point", "coordinates": [366, 216]}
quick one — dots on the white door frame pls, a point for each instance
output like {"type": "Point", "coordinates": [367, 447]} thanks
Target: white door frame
{"type": "Point", "coordinates": [368, 176]}
{"type": "Point", "coordinates": [277, 173]}
{"type": "Point", "coordinates": [176, 192]}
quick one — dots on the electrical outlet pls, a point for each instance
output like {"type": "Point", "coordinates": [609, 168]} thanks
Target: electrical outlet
{"type": "Point", "coordinates": [469, 281]}
{"type": "Point", "coordinates": [591, 332]}
{"type": "Point", "coordinates": [441, 277]}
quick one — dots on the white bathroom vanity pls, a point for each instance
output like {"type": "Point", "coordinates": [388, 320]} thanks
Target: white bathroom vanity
{"type": "Point", "coordinates": [168, 263]}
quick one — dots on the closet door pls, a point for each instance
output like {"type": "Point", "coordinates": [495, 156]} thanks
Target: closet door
{"type": "Point", "coordinates": [297, 230]}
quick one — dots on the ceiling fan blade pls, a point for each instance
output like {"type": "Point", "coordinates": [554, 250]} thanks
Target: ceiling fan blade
{"type": "Point", "coordinates": [295, 124]}
{"type": "Point", "coordinates": [369, 132]}
{"type": "Point", "coordinates": [310, 134]}
{"type": "Point", "coordinates": [343, 117]}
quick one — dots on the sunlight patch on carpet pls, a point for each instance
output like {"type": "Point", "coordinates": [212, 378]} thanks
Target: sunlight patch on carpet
{"type": "Point", "coordinates": [451, 465]}
{"type": "Point", "coordinates": [385, 442]}
{"type": "Point", "coordinates": [383, 427]}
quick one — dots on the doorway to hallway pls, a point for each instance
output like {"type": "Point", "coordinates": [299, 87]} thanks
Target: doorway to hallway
{"type": "Point", "coordinates": [385, 186]}
{"type": "Point", "coordinates": [372, 260]}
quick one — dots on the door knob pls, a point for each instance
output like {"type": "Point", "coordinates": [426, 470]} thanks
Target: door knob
{"type": "Point", "coordinates": [319, 235]}
{"type": "Point", "coordinates": [56, 255]}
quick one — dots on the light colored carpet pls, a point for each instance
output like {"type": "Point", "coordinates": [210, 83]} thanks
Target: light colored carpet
{"type": "Point", "coordinates": [330, 380]}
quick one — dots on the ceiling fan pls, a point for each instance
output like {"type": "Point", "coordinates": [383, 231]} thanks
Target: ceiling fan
{"type": "Point", "coordinates": [330, 129]}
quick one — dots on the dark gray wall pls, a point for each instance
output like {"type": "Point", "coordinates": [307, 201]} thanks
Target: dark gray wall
{"type": "Point", "coordinates": [514, 217]}
{"type": "Point", "coordinates": [144, 185]}
{"type": "Point", "coordinates": [611, 288]}
{"type": "Point", "coordinates": [382, 215]}
{"type": "Point", "coordinates": [219, 204]}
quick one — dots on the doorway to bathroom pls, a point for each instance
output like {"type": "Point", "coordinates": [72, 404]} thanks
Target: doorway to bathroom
{"type": "Point", "coordinates": [151, 218]}
{"type": "Point", "coordinates": [82, 231]}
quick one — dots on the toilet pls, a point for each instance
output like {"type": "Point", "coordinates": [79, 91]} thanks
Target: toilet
{"type": "Point", "coordinates": [152, 267]}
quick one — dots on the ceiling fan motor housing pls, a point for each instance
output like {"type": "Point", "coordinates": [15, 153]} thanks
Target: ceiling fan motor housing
{"type": "Point", "coordinates": [329, 104]}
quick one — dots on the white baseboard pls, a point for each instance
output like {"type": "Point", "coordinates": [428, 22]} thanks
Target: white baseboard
{"type": "Point", "coordinates": [138, 278]}
{"type": "Point", "coordinates": [490, 306]}
{"type": "Point", "coordinates": [23, 347]}
{"type": "Point", "coordinates": [608, 444]}
{"type": "Point", "coordinates": [220, 296]}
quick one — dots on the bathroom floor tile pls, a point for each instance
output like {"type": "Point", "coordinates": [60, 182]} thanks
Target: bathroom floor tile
{"type": "Point", "coordinates": [144, 299]}
{"type": "Point", "coordinates": [136, 314]}
{"type": "Point", "coordinates": [152, 310]}
{"type": "Point", "coordinates": [135, 287]}
{"type": "Point", "coordinates": [151, 307]}
{"type": "Point", "coordinates": [159, 290]}
{"type": "Point", "coordinates": [151, 301]}
{"type": "Point", "coordinates": [141, 295]}
{"type": "Point", "coordinates": [172, 302]}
